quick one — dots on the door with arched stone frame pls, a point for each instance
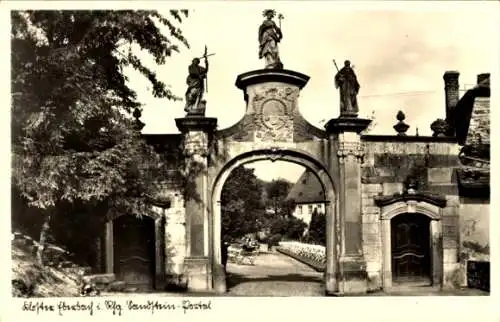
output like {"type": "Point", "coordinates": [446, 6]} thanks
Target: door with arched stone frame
{"type": "Point", "coordinates": [134, 251]}
{"type": "Point", "coordinates": [410, 249]}
{"type": "Point", "coordinates": [408, 207]}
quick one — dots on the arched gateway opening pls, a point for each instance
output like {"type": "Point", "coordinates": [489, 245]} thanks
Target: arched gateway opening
{"type": "Point", "coordinates": [300, 158]}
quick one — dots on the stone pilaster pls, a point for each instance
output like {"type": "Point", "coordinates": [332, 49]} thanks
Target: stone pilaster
{"type": "Point", "coordinates": [197, 132]}
{"type": "Point", "coordinates": [352, 275]}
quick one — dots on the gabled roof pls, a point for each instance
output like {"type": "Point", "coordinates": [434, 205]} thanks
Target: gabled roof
{"type": "Point", "coordinates": [307, 189]}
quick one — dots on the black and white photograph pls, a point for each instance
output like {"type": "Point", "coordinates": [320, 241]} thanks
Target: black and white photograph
{"type": "Point", "coordinates": [250, 149]}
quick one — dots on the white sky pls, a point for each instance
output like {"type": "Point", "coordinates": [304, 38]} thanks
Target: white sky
{"type": "Point", "coordinates": [395, 47]}
{"type": "Point", "coordinates": [393, 52]}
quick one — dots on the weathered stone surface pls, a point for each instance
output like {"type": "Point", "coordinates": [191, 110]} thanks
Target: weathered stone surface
{"type": "Point", "coordinates": [450, 211]}
{"type": "Point", "coordinates": [440, 175]}
{"type": "Point", "coordinates": [371, 188]}
{"type": "Point", "coordinates": [450, 255]}
{"type": "Point", "coordinates": [389, 188]}
{"type": "Point", "coordinates": [452, 200]}
{"type": "Point", "coordinates": [374, 210]}
{"type": "Point", "coordinates": [100, 278]}
{"type": "Point", "coordinates": [370, 228]}
{"type": "Point", "coordinates": [367, 201]}
{"type": "Point", "coordinates": [371, 218]}
{"type": "Point", "coordinates": [443, 189]}
{"type": "Point", "coordinates": [371, 238]}
{"type": "Point", "coordinates": [452, 277]}
{"type": "Point", "coordinates": [450, 243]}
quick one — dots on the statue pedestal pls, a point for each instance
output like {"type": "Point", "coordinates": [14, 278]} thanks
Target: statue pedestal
{"type": "Point", "coordinates": [272, 99]}
{"type": "Point", "coordinates": [345, 133]}
{"type": "Point", "coordinates": [197, 132]}
{"type": "Point", "coordinates": [199, 111]}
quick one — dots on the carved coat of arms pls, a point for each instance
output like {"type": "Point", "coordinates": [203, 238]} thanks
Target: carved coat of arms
{"type": "Point", "coordinates": [274, 113]}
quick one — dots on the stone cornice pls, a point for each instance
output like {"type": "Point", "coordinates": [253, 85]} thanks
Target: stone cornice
{"type": "Point", "coordinates": [271, 75]}
{"type": "Point", "coordinates": [347, 124]}
{"type": "Point", "coordinates": [408, 138]}
{"type": "Point", "coordinates": [427, 197]}
{"type": "Point", "coordinates": [196, 123]}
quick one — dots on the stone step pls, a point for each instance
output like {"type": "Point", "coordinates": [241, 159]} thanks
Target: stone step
{"type": "Point", "coordinates": [105, 279]}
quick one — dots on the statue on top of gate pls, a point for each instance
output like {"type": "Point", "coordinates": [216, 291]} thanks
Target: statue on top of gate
{"type": "Point", "coordinates": [269, 37]}
{"type": "Point", "coordinates": [197, 85]}
{"type": "Point", "coordinates": [347, 82]}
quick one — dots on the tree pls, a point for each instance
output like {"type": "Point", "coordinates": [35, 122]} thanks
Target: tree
{"type": "Point", "coordinates": [242, 208]}
{"type": "Point", "coordinates": [317, 228]}
{"type": "Point", "coordinates": [73, 137]}
{"type": "Point", "coordinates": [277, 191]}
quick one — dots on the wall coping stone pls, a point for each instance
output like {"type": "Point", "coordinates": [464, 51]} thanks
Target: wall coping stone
{"type": "Point", "coordinates": [408, 138]}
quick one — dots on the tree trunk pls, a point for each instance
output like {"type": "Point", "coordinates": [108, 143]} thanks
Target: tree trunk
{"type": "Point", "coordinates": [43, 239]}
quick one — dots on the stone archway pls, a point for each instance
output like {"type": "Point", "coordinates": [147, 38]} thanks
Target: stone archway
{"type": "Point", "coordinates": [289, 155]}
{"type": "Point", "coordinates": [416, 205]}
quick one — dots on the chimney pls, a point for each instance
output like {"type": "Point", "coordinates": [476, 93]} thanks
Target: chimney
{"type": "Point", "coordinates": [485, 77]}
{"type": "Point", "coordinates": [451, 95]}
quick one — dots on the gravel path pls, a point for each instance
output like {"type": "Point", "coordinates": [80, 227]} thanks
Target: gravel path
{"type": "Point", "coordinates": [274, 274]}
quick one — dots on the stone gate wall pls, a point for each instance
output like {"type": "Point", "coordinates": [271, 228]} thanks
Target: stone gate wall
{"type": "Point", "coordinates": [388, 163]}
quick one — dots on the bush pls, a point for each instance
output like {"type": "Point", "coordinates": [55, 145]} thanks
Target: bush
{"type": "Point", "coordinates": [274, 240]}
{"type": "Point", "coordinates": [317, 229]}
{"type": "Point", "coordinates": [288, 227]}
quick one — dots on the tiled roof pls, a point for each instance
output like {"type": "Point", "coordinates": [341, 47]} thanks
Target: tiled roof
{"type": "Point", "coordinates": [307, 189]}
{"type": "Point", "coordinates": [464, 108]}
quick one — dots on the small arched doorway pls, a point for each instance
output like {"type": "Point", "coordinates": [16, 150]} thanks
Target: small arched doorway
{"type": "Point", "coordinates": [419, 229]}
{"type": "Point", "coordinates": [411, 248]}
{"type": "Point", "coordinates": [134, 251]}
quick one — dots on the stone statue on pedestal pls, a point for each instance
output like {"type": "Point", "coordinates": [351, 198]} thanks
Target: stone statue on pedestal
{"type": "Point", "coordinates": [269, 37]}
{"type": "Point", "coordinates": [347, 82]}
{"type": "Point", "coordinates": [196, 86]}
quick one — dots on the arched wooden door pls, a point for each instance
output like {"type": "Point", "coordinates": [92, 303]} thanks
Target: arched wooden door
{"type": "Point", "coordinates": [134, 251]}
{"type": "Point", "coordinates": [410, 251]}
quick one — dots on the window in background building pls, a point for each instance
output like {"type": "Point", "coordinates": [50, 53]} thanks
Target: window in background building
{"type": "Point", "coordinates": [310, 209]}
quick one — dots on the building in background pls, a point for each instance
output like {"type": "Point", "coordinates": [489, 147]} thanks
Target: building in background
{"type": "Point", "coordinates": [308, 195]}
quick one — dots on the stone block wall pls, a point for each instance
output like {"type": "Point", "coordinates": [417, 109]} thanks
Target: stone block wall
{"type": "Point", "coordinates": [386, 166]}
{"type": "Point", "coordinates": [175, 237]}
{"type": "Point", "coordinates": [371, 231]}
{"type": "Point", "coordinates": [474, 238]}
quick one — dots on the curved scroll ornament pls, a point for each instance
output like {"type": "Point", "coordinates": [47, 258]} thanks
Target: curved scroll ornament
{"type": "Point", "coordinates": [353, 149]}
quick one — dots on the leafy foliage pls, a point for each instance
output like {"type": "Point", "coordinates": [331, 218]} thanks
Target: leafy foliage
{"type": "Point", "coordinates": [242, 207]}
{"type": "Point", "coordinates": [277, 191]}
{"type": "Point", "coordinates": [317, 229]}
{"type": "Point", "coordinates": [288, 227]}
{"type": "Point", "coordinates": [72, 134]}
{"type": "Point", "coordinates": [73, 137]}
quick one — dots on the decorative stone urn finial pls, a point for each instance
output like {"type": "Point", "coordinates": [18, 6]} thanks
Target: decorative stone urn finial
{"type": "Point", "coordinates": [401, 127]}
{"type": "Point", "coordinates": [439, 127]}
